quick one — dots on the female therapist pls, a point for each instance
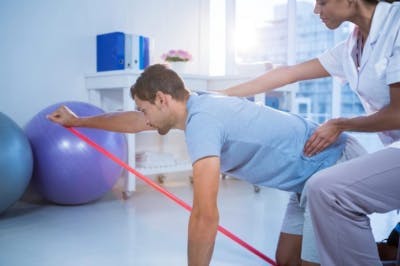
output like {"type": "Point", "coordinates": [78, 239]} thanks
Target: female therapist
{"type": "Point", "coordinates": [341, 197]}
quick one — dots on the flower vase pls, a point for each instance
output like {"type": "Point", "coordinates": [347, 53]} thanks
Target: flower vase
{"type": "Point", "coordinates": [179, 67]}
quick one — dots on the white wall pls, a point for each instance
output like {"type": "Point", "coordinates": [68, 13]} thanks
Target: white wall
{"type": "Point", "coordinates": [48, 46]}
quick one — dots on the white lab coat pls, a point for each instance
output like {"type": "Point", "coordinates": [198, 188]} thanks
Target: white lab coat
{"type": "Point", "coordinates": [379, 66]}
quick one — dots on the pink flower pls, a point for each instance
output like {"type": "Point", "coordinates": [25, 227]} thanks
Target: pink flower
{"type": "Point", "coordinates": [177, 56]}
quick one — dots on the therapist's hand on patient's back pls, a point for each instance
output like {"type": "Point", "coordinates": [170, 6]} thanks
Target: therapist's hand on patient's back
{"type": "Point", "coordinates": [64, 116]}
{"type": "Point", "coordinates": [325, 135]}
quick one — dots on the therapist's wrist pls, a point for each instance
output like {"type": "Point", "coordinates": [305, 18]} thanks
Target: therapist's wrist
{"type": "Point", "coordinates": [341, 124]}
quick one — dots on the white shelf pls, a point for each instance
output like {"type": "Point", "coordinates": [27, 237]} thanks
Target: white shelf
{"type": "Point", "coordinates": [156, 170]}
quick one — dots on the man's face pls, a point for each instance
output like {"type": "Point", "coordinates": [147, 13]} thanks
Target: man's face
{"type": "Point", "coordinates": [155, 114]}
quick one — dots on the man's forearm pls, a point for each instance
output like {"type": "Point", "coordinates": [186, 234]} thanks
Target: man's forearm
{"type": "Point", "coordinates": [199, 254]}
{"type": "Point", "coordinates": [202, 233]}
{"type": "Point", "coordinates": [128, 122]}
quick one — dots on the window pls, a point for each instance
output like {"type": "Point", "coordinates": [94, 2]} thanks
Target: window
{"type": "Point", "coordinates": [263, 34]}
{"type": "Point", "coordinates": [260, 24]}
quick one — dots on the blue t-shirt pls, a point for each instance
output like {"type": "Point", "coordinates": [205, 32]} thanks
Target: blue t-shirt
{"type": "Point", "coordinates": [256, 143]}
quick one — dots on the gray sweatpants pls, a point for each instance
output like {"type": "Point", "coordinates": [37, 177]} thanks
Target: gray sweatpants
{"type": "Point", "coordinates": [341, 197]}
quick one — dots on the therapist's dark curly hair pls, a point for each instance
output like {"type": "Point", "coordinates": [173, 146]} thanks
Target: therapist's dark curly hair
{"type": "Point", "coordinates": [156, 78]}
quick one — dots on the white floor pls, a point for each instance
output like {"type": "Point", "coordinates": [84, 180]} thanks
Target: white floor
{"type": "Point", "coordinates": [147, 229]}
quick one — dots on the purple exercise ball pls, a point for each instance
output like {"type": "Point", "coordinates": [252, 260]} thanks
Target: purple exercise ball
{"type": "Point", "coordinates": [67, 170]}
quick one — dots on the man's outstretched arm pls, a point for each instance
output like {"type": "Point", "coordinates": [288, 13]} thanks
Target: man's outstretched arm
{"type": "Point", "coordinates": [128, 122]}
{"type": "Point", "coordinates": [204, 217]}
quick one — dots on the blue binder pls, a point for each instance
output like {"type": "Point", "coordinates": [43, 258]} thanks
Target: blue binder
{"type": "Point", "coordinates": [144, 52]}
{"type": "Point", "coordinates": [118, 50]}
{"type": "Point", "coordinates": [111, 51]}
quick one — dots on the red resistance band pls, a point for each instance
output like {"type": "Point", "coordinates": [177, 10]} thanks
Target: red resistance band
{"type": "Point", "coordinates": [168, 194]}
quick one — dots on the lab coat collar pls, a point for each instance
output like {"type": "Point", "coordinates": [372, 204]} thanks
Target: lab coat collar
{"type": "Point", "coordinates": [378, 19]}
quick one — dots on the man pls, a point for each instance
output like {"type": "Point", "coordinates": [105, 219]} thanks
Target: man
{"type": "Point", "coordinates": [231, 135]}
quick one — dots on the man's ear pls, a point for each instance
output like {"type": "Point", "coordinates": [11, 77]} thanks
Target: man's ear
{"type": "Point", "coordinates": [161, 98]}
{"type": "Point", "coordinates": [351, 2]}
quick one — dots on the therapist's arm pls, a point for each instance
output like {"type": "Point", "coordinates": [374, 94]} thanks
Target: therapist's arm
{"type": "Point", "coordinates": [387, 118]}
{"type": "Point", "coordinates": [277, 78]}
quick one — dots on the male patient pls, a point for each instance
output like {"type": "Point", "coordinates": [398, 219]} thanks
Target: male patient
{"type": "Point", "coordinates": [233, 136]}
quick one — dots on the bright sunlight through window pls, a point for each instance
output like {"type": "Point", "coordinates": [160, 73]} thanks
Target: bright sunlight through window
{"type": "Point", "coordinates": [252, 16]}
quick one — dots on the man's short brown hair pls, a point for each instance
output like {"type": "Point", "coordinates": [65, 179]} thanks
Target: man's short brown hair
{"type": "Point", "coordinates": [159, 77]}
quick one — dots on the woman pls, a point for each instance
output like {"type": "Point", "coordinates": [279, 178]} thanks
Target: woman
{"type": "Point", "coordinates": [341, 197]}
